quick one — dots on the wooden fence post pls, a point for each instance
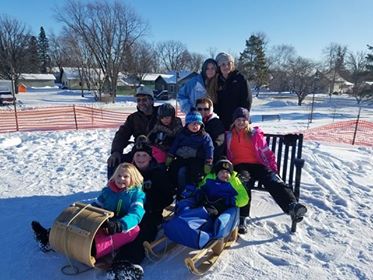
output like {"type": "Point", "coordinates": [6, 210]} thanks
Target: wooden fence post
{"type": "Point", "coordinates": [357, 123]}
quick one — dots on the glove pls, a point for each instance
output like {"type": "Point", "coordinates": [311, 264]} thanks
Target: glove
{"type": "Point", "coordinates": [207, 168]}
{"type": "Point", "coordinates": [113, 227]}
{"type": "Point", "coordinates": [169, 160]}
{"type": "Point", "coordinates": [114, 159]}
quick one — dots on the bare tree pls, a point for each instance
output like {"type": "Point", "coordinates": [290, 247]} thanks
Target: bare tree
{"type": "Point", "coordinates": [173, 55]}
{"type": "Point", "coordinates": [212, 52]}
{"type": "Point", "coordinates": [301, 77]}
{"type": "Point", "coordinates": [334, 61]}
{"type": "Point", "coordinates": [279, 59]}
{"type": "Point", "coordinates": [141, 59]}
{"type": "Point", "coordinates": [195, 63]}
{"type": "Point", "coordinates": [357, 66]}
{"type": "Point", "coordinates": [107, 29]}
{"type": "Point", "coordinates": [14, 41]}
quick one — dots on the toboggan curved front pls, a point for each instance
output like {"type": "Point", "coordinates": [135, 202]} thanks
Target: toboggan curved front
{"type": "Point", "coordinates": [73, 231]}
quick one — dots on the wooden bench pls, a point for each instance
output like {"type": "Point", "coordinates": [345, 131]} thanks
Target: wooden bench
{"type": "Point", "coordinates": [288, 151]}
{"type": "Point", "coordinates": [271, 117]}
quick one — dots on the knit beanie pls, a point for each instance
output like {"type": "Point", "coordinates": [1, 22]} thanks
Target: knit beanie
{"type": "Point", "coordinates": [241, 112]}
{"type": "Point", "coordinates": [224, 58]}
{"type": "Point", "coordinates": [166, 110]}
{"type": "Point", "coordinates": [142, 145]}
{"type": "Point", "coordinates": [193, 116]}
{"type": "Point", "coordinates": [223, 164]}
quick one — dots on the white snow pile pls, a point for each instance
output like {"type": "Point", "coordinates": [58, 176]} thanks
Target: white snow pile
{"type": "Point", "coordinates": [43, 172]}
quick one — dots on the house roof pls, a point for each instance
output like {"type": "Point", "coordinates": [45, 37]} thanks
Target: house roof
{"type": "Point", "coordinates": [171, 76]}
{"type": "Point", "coordinates": [39, 77]}
{"type": "Point", "coordinates": [72, 73]}
{"type": "Point", "coordinates": [151, 77]}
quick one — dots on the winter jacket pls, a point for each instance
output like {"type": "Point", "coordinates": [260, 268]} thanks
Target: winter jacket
{"type": "Point", "coordinates": [159, 193]}
{"type": "Point", "coordinates": [262, 152]}
{"type": "Point", "coordinates": [162, 136]}
{"type": "Point", "coordinates": [233, 192]}
{"type": "Point", "coordinates": [192, 145]}
{"type": "Point", "coordinates": [190, 92]}
{"type": "Point", "coordinates": [127, 205]}
{"type": "Point", "coordinates": [215, 128]}
{"type": "Point", "coordinates": [232, 92]}
{"type": "Point", "coordinates": [136, 124]}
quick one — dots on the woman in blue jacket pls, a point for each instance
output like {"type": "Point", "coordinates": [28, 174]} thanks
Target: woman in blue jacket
{"type": "Point", "coordinates": [200, 86]}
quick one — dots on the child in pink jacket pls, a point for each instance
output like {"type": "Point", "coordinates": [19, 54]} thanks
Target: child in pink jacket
{"type": "Point", "coordinates": [252, 158]}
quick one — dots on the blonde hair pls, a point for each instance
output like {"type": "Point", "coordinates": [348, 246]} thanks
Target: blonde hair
{"type": "Point", "coordinates": [136, 178]}
{"type": "Point", "coordinates": [248, 128]}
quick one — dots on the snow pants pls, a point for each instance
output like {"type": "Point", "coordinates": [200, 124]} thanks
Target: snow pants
{"type": "Point", "coordinates": [281, 193]}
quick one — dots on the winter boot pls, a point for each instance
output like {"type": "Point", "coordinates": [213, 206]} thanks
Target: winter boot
{"type": "Point", "coordinates": [243, 226]}
{"type": "Point", "coordinates": [125, 271]}
{"type": "Point", "coordinates": [297, 211]}
{"type": "Point", "coordinates": [41, 236]}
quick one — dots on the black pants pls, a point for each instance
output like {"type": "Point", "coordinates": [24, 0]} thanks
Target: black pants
{"type": "Point", "coordinates": [281, 193]}
{"type": "Point", "coordinates": [186, 171]}
{"type": "Point", "coordinates": [134, 252]}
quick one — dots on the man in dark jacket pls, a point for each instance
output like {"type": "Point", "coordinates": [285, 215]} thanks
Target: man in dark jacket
{"type": "Point", "coordinates": [233, 91]}
{"type": "Point", "coordinates": [213, 126]}
{"type": "Point", "coordinates": [137, 123]}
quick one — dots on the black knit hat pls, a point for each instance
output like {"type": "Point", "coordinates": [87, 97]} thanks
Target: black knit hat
{"type": "Point", "coordinates": [142, 145]}
{"type": "Point", "coordinates": [241, 112]}
{"type": "Point", "coordinates": [166, 110]}
{"type": "Point", "coordinates": [223, 164]}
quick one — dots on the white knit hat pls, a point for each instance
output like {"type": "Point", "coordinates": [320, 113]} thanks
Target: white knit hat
{"type": "Point", "coordinates": [143, 90]}
{"type": "Point", "coordinates": [224, 57]}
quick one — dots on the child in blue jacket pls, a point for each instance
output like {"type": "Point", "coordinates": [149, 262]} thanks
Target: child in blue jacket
{"type": "Point", "coordinates": [191, 153]}
{"type": "Point", "coordinates": [123, 195]}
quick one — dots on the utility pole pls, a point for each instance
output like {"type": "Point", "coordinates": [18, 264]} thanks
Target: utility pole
{"type": "Point", "coordinates": [315, 88]}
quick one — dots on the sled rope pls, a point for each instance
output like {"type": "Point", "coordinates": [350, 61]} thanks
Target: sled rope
{"type": "Point", "coordinates": [75, 269]}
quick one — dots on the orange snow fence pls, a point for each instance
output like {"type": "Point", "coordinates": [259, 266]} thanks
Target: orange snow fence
{"type": "Point", "coordinates": [59, 118]}
{"type": "Point", "coordinates": [343, 132]}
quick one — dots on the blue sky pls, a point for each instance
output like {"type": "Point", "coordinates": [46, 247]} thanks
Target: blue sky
{"type": "Point", "coordinates": [309, 25]}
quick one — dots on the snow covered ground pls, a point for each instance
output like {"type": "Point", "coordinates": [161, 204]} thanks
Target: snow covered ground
{"type": "Point", "coordinates": [43, 172]}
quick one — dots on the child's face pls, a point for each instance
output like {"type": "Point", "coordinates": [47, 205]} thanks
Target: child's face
{"type": "Point", "coordinates": [141, 160]}
{"type": "Point", "coordinates": [194, 127]}
{"type": "Point", "coordinates": [166, 120]}
{"type": "Point", "coordinates": [224, 175]}
{"type": "Point", "coordinates": [241, 123]}
{"type": "Point", "coordinates": [123, 179]}
{"type": "Point", "coordinates": [210, 70]}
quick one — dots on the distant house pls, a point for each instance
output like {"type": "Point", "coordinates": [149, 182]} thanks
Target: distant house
{"type": "Point", "coordinates": [148, 79]}
{"type": "Point", "coordinates": [168, 81]}
{"type": "Point", "coordinates": [74, 77]}
{"type": "Point", "coordinates": [340, 84]}
{"type": "Point", "coordinates": [36, 80]}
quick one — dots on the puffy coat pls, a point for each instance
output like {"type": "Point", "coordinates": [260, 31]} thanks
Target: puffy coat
{"type": "Point", "coordinates": [190, 92]}
{"type": "Point", "coordinates": [136, 124]}
{"type": "Point", "coordinates": [233, 92]}
{"type": "Point", "coordinates": [128, 205]}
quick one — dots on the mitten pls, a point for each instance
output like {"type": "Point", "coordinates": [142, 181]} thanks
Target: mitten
{"type": "Point", "coordinates": [169, 160]}
{"type": "Point", "coordinates": [207, 168]}
{"type": "Point", "coordinates": [113, 227]}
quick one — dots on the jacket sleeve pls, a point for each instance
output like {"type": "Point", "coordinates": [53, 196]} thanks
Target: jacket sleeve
{"type": "Point", "coordinates": [183, 97]}
{"type": "Point", "coordinates": [123, 135]}
{"type": "Point", "coordinates": [242, 198]}
{"type": "Point", "coordinates": [208, 147]}
{"type": "Point", "coordinates": [175, 143]}
{"type": "Point", "coordinates": [246, 97]}
{"type": "Point", "coordinates": [136, 211]}
{"type": "Point", "coordinates": [265, 154]}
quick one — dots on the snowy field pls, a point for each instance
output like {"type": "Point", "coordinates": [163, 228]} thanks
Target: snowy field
{"type": "Point", "coordinates": [43, 172]}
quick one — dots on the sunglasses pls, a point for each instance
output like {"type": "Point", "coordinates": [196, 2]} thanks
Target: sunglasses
{"type": "Point", "coordinates": [203, 109]}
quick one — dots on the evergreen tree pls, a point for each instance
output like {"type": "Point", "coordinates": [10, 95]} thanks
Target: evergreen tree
{"type": "Point", "coordinates": [370, 59]}
{"type": "Point", "coordinates": [33, 62]}
{"type": "Point", "coordinates": [252, 61]}
{"type": "Point", "coordinates": [43, 48]}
